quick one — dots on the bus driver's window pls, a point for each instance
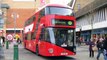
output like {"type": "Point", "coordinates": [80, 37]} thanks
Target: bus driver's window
{"type": "Point", "coordinates": [47, 37]}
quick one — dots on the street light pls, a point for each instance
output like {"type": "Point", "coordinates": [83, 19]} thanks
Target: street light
{"type": "Point", "coordinates": [80, 29]}
{"type": "Point", "coordinates": [15, 16]}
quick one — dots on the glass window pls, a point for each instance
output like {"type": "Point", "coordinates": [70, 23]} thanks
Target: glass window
{"type": "Point", "coordinates": [79, 6]}
{"type": "Point", "coordinates": [61, 36]}
{"type": "Point", "coordinates": [33, 35]}
{"type": "Point", "coordinates": [1, 20]}
{"type": "Point", "coordinates": [30, 20]}
{"type": "Point", "coordinates": [29, 36]}
{"type": "Point", "coordinates": [42, 34]}
{"type": "Point", "coordinates": [45, 35]}
{"type": "Point", "coordinates": [64, 37]}
{"type": "Point", "coordinates": [60, 11]}
{"type": "Point", "coordinates": [42, 13]}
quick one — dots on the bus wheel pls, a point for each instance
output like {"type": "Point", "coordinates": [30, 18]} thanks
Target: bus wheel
{"type": "Point", "coordinates": [37, 51]}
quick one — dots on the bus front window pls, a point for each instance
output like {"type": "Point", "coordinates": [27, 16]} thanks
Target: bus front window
{"type": "Point", "coordinates": [62, 36]}
{"type": "Point", "coordinates": [60, 11]}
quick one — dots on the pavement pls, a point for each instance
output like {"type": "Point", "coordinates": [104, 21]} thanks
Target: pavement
{"type": "Point", "coordinates": [1, 53]}
{"type": "Point", "coordinates": [83, 54]}
{"type": "Point", "coordinates": [7, 54]}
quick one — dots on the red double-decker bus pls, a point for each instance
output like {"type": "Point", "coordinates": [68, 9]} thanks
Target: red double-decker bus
{"type": "Point", "coordinates": [51, 31]}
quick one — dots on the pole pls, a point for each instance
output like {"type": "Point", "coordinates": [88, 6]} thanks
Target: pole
{"type": "Point", "coordinates": [16, 54]}
{"type": "Point", "coordinates": [7, 44]}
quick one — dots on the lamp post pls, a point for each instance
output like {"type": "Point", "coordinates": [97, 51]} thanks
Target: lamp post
{"type": "Point", "coordinates": [80, 29]}
{"type": "Point", "coordinates": [16, 55]}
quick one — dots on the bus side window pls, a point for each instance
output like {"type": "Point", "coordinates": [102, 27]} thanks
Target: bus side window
{"type": "Point", "coordinates": [47, 37]}
{"type": "Point", "coordinates": [42, 34]}
{"type": "Point", "coordinates": [33, 36]}
{"type": "Point", "coordinates": [29, 36]}
{"type": "Point", "coordinates": [25, 37]}
{"type": "Point", "coordinates": [42, 13]}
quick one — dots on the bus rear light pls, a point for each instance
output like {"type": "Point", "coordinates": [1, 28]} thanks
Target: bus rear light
{"type": "Point", "coordinates": [50, 50]}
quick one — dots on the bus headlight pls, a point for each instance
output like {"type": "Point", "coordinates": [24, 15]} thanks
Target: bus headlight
{"type": "Point", "coordinates": [50, 50]}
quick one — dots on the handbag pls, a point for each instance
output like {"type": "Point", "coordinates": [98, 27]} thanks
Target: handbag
{"type": "Point", "coordinates": [94, 48]}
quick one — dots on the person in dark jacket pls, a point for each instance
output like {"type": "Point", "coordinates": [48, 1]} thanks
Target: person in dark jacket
{"type": "Point", "coordinates": [105, 48]}
{"type": "Point", "coordinates": [100, 47]}
{"type": "Point", "coordinates": [91, 51]}
{"type": "Point", "coordinates": [3, 39]}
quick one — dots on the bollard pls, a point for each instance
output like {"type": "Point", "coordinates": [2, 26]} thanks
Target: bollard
{"type": "Point", "coordinates": [0, 46]}
{"type": "Point", "coordinates": [7, 44]}
{"type": "Point", "coordinates": [16, 55]}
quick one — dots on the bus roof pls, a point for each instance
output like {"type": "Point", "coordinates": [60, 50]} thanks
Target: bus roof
{"type": "Point", "coordinates": [49, 4]}
{"type": "Point", "coordinates": [58, 5]}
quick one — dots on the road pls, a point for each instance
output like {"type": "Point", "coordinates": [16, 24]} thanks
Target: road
{"type": "Point", "coordinates": [82, 54]}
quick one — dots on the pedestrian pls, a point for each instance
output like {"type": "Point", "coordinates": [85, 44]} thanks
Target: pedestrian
{"type": "Point", "coordinates": [1, 42]}
{"type": "Point", "coordinates": [15, 41]}
{"type": "Point", "coordinates": [18, 40]}
{"type": "Point", "coordinates": [78, 41]}
{"type": "Point", "coordinates": [91, 45]}
{"type": "Point", "coordinates": [1, 49]}
{"type": "Point", "coordinates": [3, 39]}
{"type": "Point", "coordinates": [100, 46]}
{"type": "Point", "coordinates": [105, 48]}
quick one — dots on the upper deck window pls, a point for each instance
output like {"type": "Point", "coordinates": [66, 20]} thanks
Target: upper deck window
{"type": "Point", "coordinates": [60, 11]}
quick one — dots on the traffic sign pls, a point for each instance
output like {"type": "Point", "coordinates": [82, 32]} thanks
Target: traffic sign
{"type": "Point", "coordinates": [9, 37]}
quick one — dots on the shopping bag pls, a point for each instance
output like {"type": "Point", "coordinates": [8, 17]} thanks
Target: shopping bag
{"type": "Point", "coordinates": [94, 48]}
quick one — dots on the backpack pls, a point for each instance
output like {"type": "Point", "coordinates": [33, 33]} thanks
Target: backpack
{"type": "Point", "coordinates": [100, 44]}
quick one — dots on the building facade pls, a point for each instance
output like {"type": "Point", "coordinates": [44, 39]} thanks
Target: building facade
{"type": "Point", "coordinates": [92, 20]}
{"type": "Point", "coordinates": [81, 3]}
{"type": "Point", "coordinates": [17, 11]}
{"type": "Point", "coordinates": [24, 9]}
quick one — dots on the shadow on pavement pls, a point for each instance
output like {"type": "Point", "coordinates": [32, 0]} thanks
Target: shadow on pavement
{"type": "Point", "coordinates": [59, 58]}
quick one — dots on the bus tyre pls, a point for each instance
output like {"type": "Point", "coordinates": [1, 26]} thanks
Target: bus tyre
{"type": "Point", "coordinates": [37, 51]}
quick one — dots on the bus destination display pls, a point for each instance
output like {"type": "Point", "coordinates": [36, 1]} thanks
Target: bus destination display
{"type": "Point", "coordinates": [63, 22]}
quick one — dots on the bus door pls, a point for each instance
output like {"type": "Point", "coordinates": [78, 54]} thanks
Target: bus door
{"type": "Point", "coordinates": [46, 40]}
{"type": "Point", "coordinates": [42, 46]}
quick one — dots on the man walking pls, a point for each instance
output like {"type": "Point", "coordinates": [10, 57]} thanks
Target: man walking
{"type": "Point", "coordinates": [105, 48]}
{"type": "Point", "coordinates": [1, 50]}
{"type": "Point", "coordinates": [100, 46]}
